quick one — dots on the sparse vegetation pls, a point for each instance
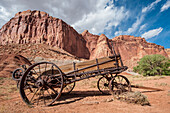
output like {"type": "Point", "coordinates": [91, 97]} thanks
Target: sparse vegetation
{"type": "Point", "coordinates": [133, 97]}
{"type": "Point", "coordinates": [162, 84]}
{"type": "Point", "coordinates": [151, 65]}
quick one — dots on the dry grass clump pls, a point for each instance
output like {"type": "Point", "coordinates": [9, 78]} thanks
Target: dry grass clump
{"type": "Point", "coordinates": [133, 97]}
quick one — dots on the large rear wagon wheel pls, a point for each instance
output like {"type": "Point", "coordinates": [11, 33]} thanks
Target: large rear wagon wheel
{"type": "Point", "coordinates": [119, 84]}
{"type": "Point", "coordinates": [41, 84]}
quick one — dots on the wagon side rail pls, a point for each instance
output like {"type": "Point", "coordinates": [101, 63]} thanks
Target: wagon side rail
{"type": "Point", "coordinates": [80, 74]}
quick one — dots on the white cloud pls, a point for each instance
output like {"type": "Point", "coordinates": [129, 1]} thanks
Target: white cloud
{"type": "Point", "coordinates": [102, 19]}
{"type": "Point", "coordinates": [132, 29]}
{"type": "Point", "coordinates": [152, 33]}
{"type": "Point", "coordinates": [68, 10]}
{"type": "Point", "coordinates": [118, 33]}
{"type": "Point", "coordinates": [165, 6]}
{"type": "Point", "coordinates": [142, 27]}
{"type": "Point", "coordinates": [4, 15]}
{"type": "Point", "coordinates": [151, 6]}
{"type": "Point", "coordinates": [135, 25]}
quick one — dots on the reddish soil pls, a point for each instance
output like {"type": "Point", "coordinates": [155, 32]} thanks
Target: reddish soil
{"type": "Point", "coordinates": [86, 98]}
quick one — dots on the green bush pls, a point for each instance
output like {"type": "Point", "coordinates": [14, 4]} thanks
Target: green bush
{"type": "Point", "coordinates": [151, 65]}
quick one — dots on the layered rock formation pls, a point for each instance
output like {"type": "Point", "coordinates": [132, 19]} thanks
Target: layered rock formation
{"type": "Point", "coordinates": [38, 27]}
{"type": "Point", "coordinates": [98, 46]}
{"type": "Point", "coordinates": [131, 48]}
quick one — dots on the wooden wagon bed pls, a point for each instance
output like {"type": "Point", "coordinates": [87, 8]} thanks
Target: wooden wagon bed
{"type": "Point", "coordinates": [101, 63]}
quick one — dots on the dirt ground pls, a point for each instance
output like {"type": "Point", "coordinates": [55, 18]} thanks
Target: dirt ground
{"type": "Point", "coordinates": [85, 98]}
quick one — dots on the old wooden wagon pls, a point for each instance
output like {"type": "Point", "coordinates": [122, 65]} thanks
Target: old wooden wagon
{"type": "Point", "coordinates": [43, 83]}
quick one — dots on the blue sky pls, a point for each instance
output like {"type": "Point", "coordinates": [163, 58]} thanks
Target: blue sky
{"type": "Point", "coordinates": [145, 18]}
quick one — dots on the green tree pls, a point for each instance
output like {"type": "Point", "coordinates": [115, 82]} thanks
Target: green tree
{"type": "Point", "coordinates": [151, 65]}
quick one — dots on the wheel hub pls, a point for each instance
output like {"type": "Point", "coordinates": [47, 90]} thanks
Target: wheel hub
{"type": "Point", "coordinates": [40, 83]}
{"type": "Point", "coordinates": [106, 84]}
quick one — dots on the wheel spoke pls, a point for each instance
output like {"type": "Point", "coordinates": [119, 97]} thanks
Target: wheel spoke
{"type": "Point", "coordinates": [52, 69]}
{"type": "Point", "coordinates": [34, 94]}
{"type": "Point", "coordinates": [39, 69]}
{"type": "Point", "coordinates": [45, 67]}
{"type": "Point", "coordinates": [44, 98]}
{"type": "Point", "coordinates": [38, 99]}
{"type": "Point", "coordinates": [35, 72]}
{"type": "Point", "coordinates": [49, 94]}
{"type": "Point", "coordinates": [52, 89]}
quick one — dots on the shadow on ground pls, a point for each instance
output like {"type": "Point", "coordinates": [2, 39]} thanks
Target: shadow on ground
{"type": "Point", "coordinates": [76, 96]}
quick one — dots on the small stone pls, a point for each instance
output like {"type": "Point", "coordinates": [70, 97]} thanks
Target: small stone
{"type": "Point", "coordinates": [17, 102]}
{"type": "Point", "coordinates": [109, 100]}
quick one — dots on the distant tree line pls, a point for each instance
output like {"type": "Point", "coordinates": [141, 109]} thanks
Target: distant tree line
{"type": "Point", "coordinates": [151, 65]}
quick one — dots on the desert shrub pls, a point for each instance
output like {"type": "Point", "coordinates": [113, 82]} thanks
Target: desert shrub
{"type": "Point", "coordinates": [151, 65]}
{"type": "Point", "coordinates": [133, 97]}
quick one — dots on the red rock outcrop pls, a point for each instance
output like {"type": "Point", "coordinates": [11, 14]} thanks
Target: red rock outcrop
{"type": "Point", "coordinates": [168, 52]}
{"type": "Point", "coordinates": [38, 27]}
{"type": "Point", "coordinates": [131, 48]}
{"type": "Point", "coordinates": [98, 45]}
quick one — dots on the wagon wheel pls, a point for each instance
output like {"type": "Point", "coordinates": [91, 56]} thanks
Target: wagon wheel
{"type": "Point", "coordinates": [41, 84]}
{"type": "Point", "coordinates": [68, 88]}
{"type": "Point", "coordinates": [103, 84]}
{"type": "Point", "coordinates": [17, 74]}
{"type": "Point", "coordinates": [119, 84]}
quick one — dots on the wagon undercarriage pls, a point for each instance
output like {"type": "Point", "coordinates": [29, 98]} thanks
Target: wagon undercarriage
{"type": "Point", "coordinates": [44, 82]}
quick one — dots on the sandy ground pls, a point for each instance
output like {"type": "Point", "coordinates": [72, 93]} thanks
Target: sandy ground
{"type": "Point", "coordinates": [86, 98]}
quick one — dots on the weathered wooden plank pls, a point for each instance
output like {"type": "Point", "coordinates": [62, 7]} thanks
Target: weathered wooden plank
{"type": "Point", "coordinates": [69, 67]}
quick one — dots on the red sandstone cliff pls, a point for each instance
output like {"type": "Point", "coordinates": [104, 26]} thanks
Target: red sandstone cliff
{"type": "Point", "coordinates": [168, 52]}
{"type": "Point", "coordinates": [39, 27]}
{"type": "Point", "coordinates": [131, 48]}
{"type": "Point", "coordinates": [98, 45]}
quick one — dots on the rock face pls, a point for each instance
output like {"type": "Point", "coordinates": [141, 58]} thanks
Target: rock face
{"type": "Point", "coordinates": [168, 52]}
{"type": "Point", "coordinates": [131, 48]}
{"type": "Point", "coordinates": [98, 45]}
{"type": "Point", "coordinates": [38, 27]}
